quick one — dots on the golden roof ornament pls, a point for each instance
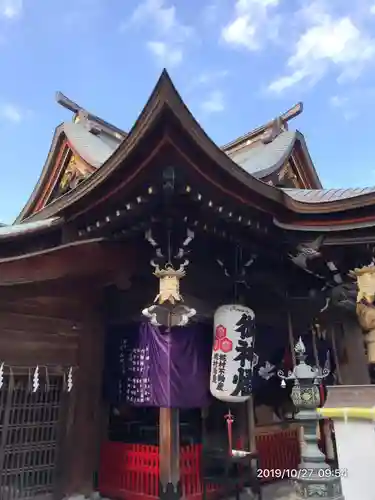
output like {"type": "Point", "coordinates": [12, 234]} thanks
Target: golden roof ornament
{"type": "Point", "coordinates": [365, 277]}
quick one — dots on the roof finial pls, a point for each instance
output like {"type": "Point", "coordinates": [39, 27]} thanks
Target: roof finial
{"type": "Point", "coordinates": [93, 122]}
{"type": "Point", "coordinates": [280, 123]}
{"type": "Point", "coordinates": [65, 102]}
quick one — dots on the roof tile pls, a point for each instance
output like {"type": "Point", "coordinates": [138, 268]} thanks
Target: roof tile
{"type": "Point", "coordinates": [94, 149]}
{"type": "Point", "coordinates": [261, 160]}
{"type": "Point", "coordinates": [326, 195]}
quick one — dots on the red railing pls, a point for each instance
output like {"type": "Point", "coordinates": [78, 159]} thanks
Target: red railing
{"type": "Point", "coordinates": [131, 471]}
{"type": "Point", "coordinates": [190, 473]}
{"type": "Point", "coordinates": [277, 451]}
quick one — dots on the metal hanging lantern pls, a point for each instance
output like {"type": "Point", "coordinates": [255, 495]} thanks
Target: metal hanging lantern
{"type": "Point", "coordinates": [169, 284]}
{"type": "Point", "coordinates": [168, 308]}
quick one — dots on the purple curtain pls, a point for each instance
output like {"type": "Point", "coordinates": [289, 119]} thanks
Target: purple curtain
{"type": "Point", "coordinates": [149, 366]}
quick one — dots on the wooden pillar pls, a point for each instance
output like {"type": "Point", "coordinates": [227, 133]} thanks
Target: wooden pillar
{"type": "Point", "coordinates": [250, 423]}
{"type": "Point", "coordinates": [355, 370]}
{"type": "Point", "coordinates": [83, 433]}
{"type": "Point", "coordinates": [169, 454]}
{"type": "Point", "coordinates": [335, 353]}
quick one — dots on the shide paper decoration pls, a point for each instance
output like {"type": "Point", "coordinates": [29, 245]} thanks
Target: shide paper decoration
{"type": "Point", "coordinates": [69, 384]}
{"type": "Point", "coordinates": [168, 308]}
{"type": "Point", "coordinates": [35, 376]}
{"type": "Point", "coordinates": [36, 383]}
{"type": "Point", "coordinates": [232, 359]}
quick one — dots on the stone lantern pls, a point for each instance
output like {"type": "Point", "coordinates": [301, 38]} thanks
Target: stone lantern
{"type": "Point", "coordinates": [314, 479]}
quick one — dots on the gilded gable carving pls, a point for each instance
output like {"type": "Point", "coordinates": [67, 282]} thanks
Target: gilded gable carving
{"type": "Point", "coordinates": [71, 177]}
{"type": "Point", "coordinates": [72, 174]}
{"type": "Point", "coordinates": [287, 177]}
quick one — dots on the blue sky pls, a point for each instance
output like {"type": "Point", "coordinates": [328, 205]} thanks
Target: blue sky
{"type": "Point", "coordinates": [236, 63]}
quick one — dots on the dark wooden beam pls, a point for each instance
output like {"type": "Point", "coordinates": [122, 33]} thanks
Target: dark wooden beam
{"type": "Point", "coordinates": [54, 289]}
{"type": "Point", "coordinates": [79, 259]}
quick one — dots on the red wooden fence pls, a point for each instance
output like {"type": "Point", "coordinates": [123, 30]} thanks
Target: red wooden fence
{"type": "Point", "coordinates": [131, 471]}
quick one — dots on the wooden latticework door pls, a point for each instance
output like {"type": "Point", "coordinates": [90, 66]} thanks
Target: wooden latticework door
{"type": "Point", "coordinates": [29, 437]}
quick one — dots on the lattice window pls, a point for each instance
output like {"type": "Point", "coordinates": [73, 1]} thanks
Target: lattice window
{"type": "Point", "coordinates": [29, 428]}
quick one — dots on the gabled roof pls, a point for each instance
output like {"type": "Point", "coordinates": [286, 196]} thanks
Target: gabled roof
{"type": "Point", "coordinates": [94, 148]}
{"type": "Point", "coordinates": [164, 98]}
{"type": "Point", "coordinates": [264, 159]}
{"type": "Point", "coordinates": [234, 172]}
{"type": "Point", "coordinates": [95, 141]}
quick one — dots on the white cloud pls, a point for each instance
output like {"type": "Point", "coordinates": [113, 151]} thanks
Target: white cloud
{"type": "Point", "coordinates": [207, 78]}
{"type": "Point", "coordinates": [171, 33]}
{"type": "Point", "coordinates": [327, 42]}
{"type": "Point", "coordinates": [11, 9]}
{"type": "Point", "coordinates": [164, 17]}
{"type": "Point", "coordinates": [11, 113]}
{"type": "Point", "coordinates": [214, 102]}
{"type": "Point", "coordinates": [81, 15]}
{"type": "Point", "coordinates": [372, 9]}
{"type": "Point", "coordinates": [254, 21]}
{"type": "Point", "coordinates": [338, 101]}
{"type": "Point", "coordinates": [210, 13]}
{"type": "Point", "coordinates": [353, 102]}
{"type": "Point", "coordinates": [344, 105]}
{"type": "Point", "coordinates": [165, 54]}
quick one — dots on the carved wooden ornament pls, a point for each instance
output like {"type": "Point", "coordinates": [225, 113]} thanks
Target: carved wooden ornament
{"type": "Point", "coordinates": [365, 277]}
{"type": "Point", "coordinates": [366, 283]}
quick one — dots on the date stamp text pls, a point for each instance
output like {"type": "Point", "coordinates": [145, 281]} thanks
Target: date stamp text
{"type": "Point", "coordinates": [300, 473]}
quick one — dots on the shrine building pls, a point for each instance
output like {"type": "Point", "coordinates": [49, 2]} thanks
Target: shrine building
{"type": "Point", "coordinates": [110, 278]}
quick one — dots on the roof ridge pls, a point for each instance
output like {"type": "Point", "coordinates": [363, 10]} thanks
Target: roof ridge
{"type": "Point", "coordinates": [293, 112]}
{"type": "Point", "coordinates": [81, 114]}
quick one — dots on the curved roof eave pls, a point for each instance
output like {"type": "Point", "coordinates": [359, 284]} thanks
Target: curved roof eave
{"type": "Point", "coordinates": [327, 228]}
{"type": "Point", "coordinates": [163, 96]}
{"type": "Point", "coordinates": [312, 170]}
{"type": "Point", "coordinates": [57, 136]}
{"type": "Point", "coordinates": [28, 228]}
{"type": "Point", "coordinates": [319, 201]}
{"type": "Point", "coordinates": [87, 146]}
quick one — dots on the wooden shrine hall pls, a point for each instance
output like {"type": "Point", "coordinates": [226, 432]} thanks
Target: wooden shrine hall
{"type": "Point", "coordinates": [246, 223]}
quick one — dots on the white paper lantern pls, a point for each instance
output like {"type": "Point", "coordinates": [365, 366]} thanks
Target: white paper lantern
{"type": "Point", "coordinates": [232, 353]}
